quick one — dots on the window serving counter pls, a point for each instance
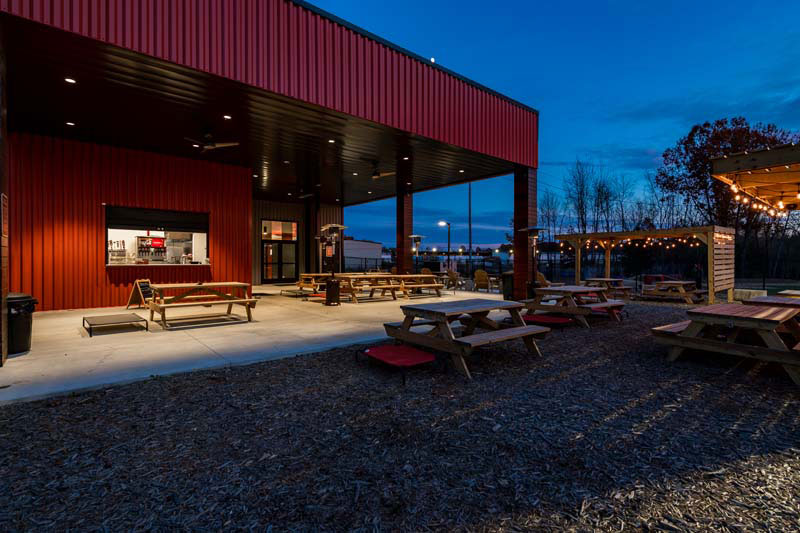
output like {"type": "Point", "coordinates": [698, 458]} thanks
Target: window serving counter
{"type": "Point", "coordinates": [155, 237]}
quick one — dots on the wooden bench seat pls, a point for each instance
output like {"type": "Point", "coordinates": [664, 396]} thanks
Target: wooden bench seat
{"type": "Point", "coordinates": [416, 323]}
{"type": "Point", "coordinates": [603, 305]}
{"type": "Point", "coordinates": [489, 337]}
{"type": "Point", "coordinates": [424, 286]}
{"type": "Point", "coordinates": [239, 301]}
{"type": "Point", "coordinates": [670, 330]}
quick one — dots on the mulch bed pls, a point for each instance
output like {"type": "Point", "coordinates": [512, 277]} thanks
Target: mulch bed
{"type": "Point", "coordinates": [600, 434]}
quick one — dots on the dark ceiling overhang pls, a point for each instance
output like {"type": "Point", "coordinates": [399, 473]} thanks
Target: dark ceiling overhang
{"type": "Point", "coordinates": [771, 175]}
{"type": "Point", "coordinates": [123, 98]}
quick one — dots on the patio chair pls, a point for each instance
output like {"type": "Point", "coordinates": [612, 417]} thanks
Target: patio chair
{"type": "Point", "coordinates": [483, 281]}
{"type": "Point", "coordinates": [544, 282]}
{"type": "Point", "coordinates": [454, 280]}
{"type": "Point", "coordinates": [426, 271]}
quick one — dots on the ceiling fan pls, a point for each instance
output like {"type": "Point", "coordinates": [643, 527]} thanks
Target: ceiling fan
{"type": "Point", "coordinates": [377, 173]}
{"type": "Point", "coordinates": [208, 143]}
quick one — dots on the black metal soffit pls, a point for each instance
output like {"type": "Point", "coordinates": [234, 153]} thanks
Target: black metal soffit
{"type": "Point", "coordinates": [127, 99]}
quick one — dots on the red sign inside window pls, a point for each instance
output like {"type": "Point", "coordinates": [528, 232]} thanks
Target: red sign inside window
{"type": "Point", "coordinates": [156, 242]}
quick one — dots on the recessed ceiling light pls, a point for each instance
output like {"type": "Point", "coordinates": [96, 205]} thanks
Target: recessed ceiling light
{"type": "Point", "coordinates": [331, 140]}
{"type": "Point", "coordinates": [195, 146]}
{"type": "Point", "coordinates": [355, 173]}
{"type": "Point", "coordinates": [289, 193]}
{"type": "Point", "coordinates": [285, 161]}
{"type": "Point", "coordinates": [405, 158]}
{"type": "Point", "coordinates": [227, 117]}
{"type": "Point", "coordinates": [337, 199]}
{"type": "Point", "coordinates": [319, 185]}
{"type": "Point", "coordinates": [461, 171]}
{"type": "Point", "coordinates": [70, 80]}
{"type": "Point", "coordinates": [255, 175]}
{"type": "Point", "coordinates": [70, 123]}
{"type": "Point", "coordinates": [408, 183]}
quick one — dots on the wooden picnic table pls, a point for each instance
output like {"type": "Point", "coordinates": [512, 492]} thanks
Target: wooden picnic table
{"type": "Point", "coordinates": [790, 293]}
{"type": "Point", "coordinates": [611, 285]}
{"type": "Point", "coordinates": [682, 290]}
{"type": "Point", "coordinates": [472, 314]}
{"type": "Point", "coordinates": [203, 294]}
{"type": "Point", "coordinates": [313, 281]}
{"type": "Point", "coordinates": [577, 301]}
{"type": "Point", "coordinates": [732, 329]}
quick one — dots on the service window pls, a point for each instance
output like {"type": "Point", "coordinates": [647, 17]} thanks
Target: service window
{"type": "Point", "coordinates": [155, 237]}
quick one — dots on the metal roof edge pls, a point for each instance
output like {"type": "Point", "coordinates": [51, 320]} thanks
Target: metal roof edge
{"type": "Point", "coordinates": [380, 40]}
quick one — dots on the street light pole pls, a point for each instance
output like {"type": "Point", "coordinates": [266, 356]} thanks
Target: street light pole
{"type": "Point", "coordinates": [441, 224]}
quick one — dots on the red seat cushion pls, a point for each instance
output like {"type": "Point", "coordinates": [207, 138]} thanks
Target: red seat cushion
{"type": "Point", "coordinates": [547, 320]}
{"type": "Point", "coordinates": [399, 355]}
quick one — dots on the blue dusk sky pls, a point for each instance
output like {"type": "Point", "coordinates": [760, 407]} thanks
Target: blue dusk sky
{"type": "Point", "coordinates": [615, 82]}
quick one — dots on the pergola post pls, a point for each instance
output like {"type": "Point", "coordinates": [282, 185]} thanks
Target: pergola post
{"type": "Point", "coordinates": [524, 218]}
{"type": "Point", "coordinates": [710, 268]}
{"type": "Point", "coordinates": [405, 217]}
{"type": "Point", "coordinates": [607, 247]}
{"type": "Point", "coordinates": [578, 246]}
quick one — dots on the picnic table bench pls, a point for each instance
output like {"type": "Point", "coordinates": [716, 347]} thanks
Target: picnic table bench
{"type": "Point", "coordinates": [472, 314]}
{"type": "Point", "coordinates": [417, 282]}
{"type": "Point", "coordinates": [675, 290]}
{"type": "Point", "coordinates": [576, 301]}
{"type": "Point", "coordinates": [752, 331]}
{"type": "Point", "coordinates": [203, 294]}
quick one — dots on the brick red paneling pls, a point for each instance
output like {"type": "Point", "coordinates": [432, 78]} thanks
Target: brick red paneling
{"type": "Point", "coordinates": [285, 48]}
{"type": "Point", "coordinates": [57, 190]}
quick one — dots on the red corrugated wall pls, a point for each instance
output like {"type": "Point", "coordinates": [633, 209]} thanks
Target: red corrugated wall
{"type": "Point", "coordinates": [57, 190]}
{"type": "Point", "coordinates": [285, 48]}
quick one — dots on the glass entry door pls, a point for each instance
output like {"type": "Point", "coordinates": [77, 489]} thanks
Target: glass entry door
{"type": "Point", "coordinates": [278, 251]}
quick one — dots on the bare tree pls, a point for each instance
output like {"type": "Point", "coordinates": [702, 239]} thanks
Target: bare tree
{"type": "Point", "coordinates": [550, 212]}
{"type": "Point", "coordinates": [579, 184]}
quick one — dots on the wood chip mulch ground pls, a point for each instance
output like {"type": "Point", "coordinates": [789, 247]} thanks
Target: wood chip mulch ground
{"type": "Point", "coordinates": [600, 435]}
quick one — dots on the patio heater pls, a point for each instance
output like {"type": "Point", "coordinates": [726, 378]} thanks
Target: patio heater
{"type": "Point", "coordinates": [330, 236]}
{"type": "Point", "coordinates": [416, 243]}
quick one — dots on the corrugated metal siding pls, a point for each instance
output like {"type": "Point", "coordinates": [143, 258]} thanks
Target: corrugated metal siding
{"type": "Point", "coordinates": [57, 190]}
{"type": "Point", "coordinates": [330, 214]}
{"type": "Point", "coordinates": [285, 48]}
{"type": "Point", "coordinates": [266, 210]}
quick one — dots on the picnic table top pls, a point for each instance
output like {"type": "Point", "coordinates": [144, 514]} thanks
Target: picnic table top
{"type": "Point", "coordinates": [473, 305]}
{"type": "Point", "coordinates": [604, 279]}
{"type": "Point", "coordinates": [675, 283]}
{"type": "Point", "coordinates": [159, 286]}
{"type": "Point", "coordinates": [755, 313]}
{"type": "Point", "coordinates": [568, 289]}
{"type": "Point", "coordinates": [790, 293]}
{"type": "Point", "coordinates": [777, 301]}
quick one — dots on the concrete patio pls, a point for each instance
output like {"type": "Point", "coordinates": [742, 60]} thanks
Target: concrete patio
{"type": "Point", "coordinates": [63, 358]}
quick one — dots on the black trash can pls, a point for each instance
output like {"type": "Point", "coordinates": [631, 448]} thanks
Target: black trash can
{"type": "Point", "coordinates": [508, 285]}
{"type": "Point", "coordinates": [332, 292]}
{"type": "Point", "coordinates": [20, 321]}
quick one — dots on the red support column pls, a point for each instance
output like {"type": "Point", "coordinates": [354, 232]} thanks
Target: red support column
{"type": "Point", "coordinates": [405, 217]}
{"type": "Point", "coordinates": [524, 217]}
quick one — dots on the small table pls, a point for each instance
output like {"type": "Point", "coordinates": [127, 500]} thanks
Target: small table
{"type": "Point", "coordinates": [612, 285]}
{"type": "Point", "coordinates": [574, 300]}
{"type": "Point", "coordinates": [91, 322]}
{"type": "Point", "coordinates": [472, 313]}
{"type": "Point", "coordinates": [683, 290]}
{"type": "Point", "coordinates": [718, 328]}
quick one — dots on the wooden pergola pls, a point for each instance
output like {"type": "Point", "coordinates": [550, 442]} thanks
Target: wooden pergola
{"type": "Point", "coordinates": [768, 178]}
{"type": "Point", "coordinates": [719, 241]}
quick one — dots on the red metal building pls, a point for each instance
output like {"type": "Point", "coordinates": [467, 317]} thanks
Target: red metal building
{"type": "Point", "coordinates": [110, 104]}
